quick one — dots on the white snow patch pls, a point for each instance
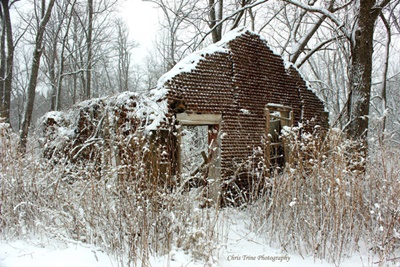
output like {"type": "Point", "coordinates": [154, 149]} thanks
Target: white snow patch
{"type": "Point", "coordinates": [239, 246]}
{"type": "Point", "coordinates": [44, 252]}
{"type": "Point", "coordinates": [126, 98]}
{"type": "Point", "coordinates": [153, 111]}
{"type": "Point", "coordinates": [293, 202]}
{"type": "Point", "coordinates": [289, 64]}
{"type": "Point", "coordinates": [245, 111]}
{"type": "Point", "coordinates": [91, 102]}
{"type": "Point", "coordinates": [57, 116]}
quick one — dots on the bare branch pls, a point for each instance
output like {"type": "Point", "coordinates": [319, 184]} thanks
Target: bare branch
{"type": "Point", "coordinates": [271, 19]}
{"type": "Point", "coordinates": [317, 48]}
{"type": "Point", "coordinates": [240, 15]}
{"type": "Point", "coordinates": [259, 2]}
{"type": "Point", "coordinates": [319, 10]}
{"type": "Point", "coordinates": [305, 39]}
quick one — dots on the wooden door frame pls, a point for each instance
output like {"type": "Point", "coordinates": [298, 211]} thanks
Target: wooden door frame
{"type": "Point", "coordinates": [213, 121]}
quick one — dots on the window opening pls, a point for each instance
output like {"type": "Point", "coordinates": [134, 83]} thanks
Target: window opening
{"type": "Point", "coordinates": [277, 116]}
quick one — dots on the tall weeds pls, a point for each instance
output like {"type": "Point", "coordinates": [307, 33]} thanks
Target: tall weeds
{"type": "Point", "coordinates": [117, 208]}
{"type": "Point", "coordinates": [322, 204]}
{"type": "Point", "coordinates": [325, 205]}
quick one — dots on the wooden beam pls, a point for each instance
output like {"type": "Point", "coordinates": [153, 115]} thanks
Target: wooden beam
{"type": "Point", "coordinates": [198, 119]}
{"type": "Point", "coordinates": [278, 107]}
{"type": "Point", "coordinates": [281, 118]}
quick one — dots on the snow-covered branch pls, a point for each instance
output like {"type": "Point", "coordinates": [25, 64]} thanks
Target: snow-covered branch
{"type": "Point", "coordinates": [320, 10]}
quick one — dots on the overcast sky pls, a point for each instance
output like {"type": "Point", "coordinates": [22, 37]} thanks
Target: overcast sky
{"type": "Point", "coordinates": [142, 19]}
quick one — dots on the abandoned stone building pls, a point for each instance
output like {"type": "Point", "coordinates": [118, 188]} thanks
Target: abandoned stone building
{"type": "Point", "coordinates": [218, 113]}
{"type": "Point", "coordinates": [241, 91]}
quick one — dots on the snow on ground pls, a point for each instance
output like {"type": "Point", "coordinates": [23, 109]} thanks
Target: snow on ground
{"type": "Point", "coordinates": [240, 247]}
{"type": "Point", "coordinates": [43, 252]}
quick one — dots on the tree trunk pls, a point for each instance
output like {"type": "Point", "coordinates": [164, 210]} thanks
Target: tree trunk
{"type": "Point", "coordinates": [361, 70]}
{"type": "Point", "coordinates": [62, 60]}
{"type": "Point", "coordinates": [3, 114]}
{"type": "Point", "coordinates": [385, 76]}
{"type": "Point", "coordinates": [33, 76]}
{"type": "Point", "coordinates": [215, 17]}
{"type": "Point", "coordinates": [88, 85]}
{"type": "Point", "coordinates": [9, 58]}
{"type": "Point", "coordinates": [52, 73]}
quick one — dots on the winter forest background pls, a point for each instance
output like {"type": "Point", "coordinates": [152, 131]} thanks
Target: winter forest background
{"type": "Point", "coordinates": [342, 198]}
{"type": "Point", "coordinates": [85, 50]}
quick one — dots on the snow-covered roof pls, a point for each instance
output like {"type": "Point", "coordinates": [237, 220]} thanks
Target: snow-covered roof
{"type": "Point", "coordinates": [190, 62]}
{"type": "Point", "coordinates": [157, 96]}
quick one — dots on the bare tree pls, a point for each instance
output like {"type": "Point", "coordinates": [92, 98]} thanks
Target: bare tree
{"type": "Point", "coordinates": [177, 18]}
{"type": "Point", "coordinates": [62, 60]}
{"type": "Point", "coordinates": [361, 66]}
{"type": "Point", "coordinates": [57, 34]}
{"type": "Point", "coordinates": [359, 32]}
{"type": "Point", "coordinates": [385, 73]}
{"type": "Point", "coordinates": [45, 10]}
{"type": "Point", "coordinates": [80, 63]}
{"type": "Point", "coordinates": [153, 68]}
{"type": "Point", "coordinates": [124, 48]}
{"type": "Point", "coordinates": [89, 40]}
{"type": "Point", "coordinates": [7, 59]}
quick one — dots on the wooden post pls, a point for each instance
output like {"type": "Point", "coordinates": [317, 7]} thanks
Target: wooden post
{"type": "Point", "coordinates": [267, 139]}
{"type": "Point", "coordinates": [214, 168]}
{"type": "Point", "coordinates": [179, 155]}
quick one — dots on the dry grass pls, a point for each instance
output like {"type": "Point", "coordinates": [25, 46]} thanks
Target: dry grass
{"type": "Point", "coordinates": [321, 204]}
{"type": "Point", "coordinates": [116, 208]}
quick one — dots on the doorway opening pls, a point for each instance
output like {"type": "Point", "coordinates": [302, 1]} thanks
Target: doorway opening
{"type": "Point", "coordinates": [199, 151]}
{"type": "Point", "coordinates": [194, 150]}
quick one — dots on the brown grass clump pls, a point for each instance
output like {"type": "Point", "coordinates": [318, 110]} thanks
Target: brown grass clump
{"type": "Point", "coordinates": [323, 205]}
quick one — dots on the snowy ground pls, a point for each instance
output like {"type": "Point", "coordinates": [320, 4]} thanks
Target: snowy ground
{"type": "Point", "coordinates": [241, 248]}
{"type": "Point", "coordinates": [45, 252]}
